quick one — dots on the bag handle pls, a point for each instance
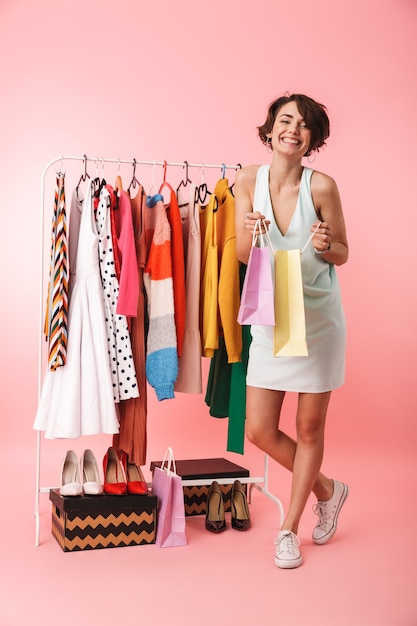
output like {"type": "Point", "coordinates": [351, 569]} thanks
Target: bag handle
{"type": "Point", "coordinates": [169, 461]}
{"type": "Point", "coordinates": [311, 237]}
{"type": "Point", "coordinates": [262, 235]}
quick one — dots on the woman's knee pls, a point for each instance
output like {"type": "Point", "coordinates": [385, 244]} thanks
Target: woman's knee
{"type": "Point", "coordinates": [255, 433]}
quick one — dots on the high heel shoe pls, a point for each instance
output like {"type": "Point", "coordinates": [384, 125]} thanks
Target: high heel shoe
{"type": "Point", "coordinates": [215, 518]}
{"type": "Point", "coordinates": [114, 475]}
{"type": "Point", "coordinates": [239, 507]}
{"type": "Point", "coordinates": [70, 476]}
{"type": "Point", "coordinates": [136, 483]}
{"type": "Point", "coordinates": [92, 484]}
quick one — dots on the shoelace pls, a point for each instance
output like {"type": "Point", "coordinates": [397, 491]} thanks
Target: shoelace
{"type": "Point", "coordinates": [287, 542]}
{"type": "Point", "coordinates": [321, 510]}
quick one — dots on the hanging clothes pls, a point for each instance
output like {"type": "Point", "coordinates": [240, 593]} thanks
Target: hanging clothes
{"type": "Point", "coordinates": [209, 279]}
{"type": "Point", "coordinates": [56, 317]}
{"type": "Point", "coordinates": [161, 357]}
{"type": "Point", "coordinates": [132, 438]}
{"type": "Point", "coordinates": [127, 303]}
{"type": "Point", "coordinates": [177, 258]}
{"type": "Point", "coordinates": [220, 295]}
{"type": "Point", "coordinates": [229, 290]}
{"type": "Point", "coordinates": [118, 338]}
{"type": "Point", "coordinates": [189, 364]}
{"type": "Point", "coordinates": [77, 399]}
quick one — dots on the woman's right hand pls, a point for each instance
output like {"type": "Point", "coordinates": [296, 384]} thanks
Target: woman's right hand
{"type": "Point", "coordinates": [251, 219]}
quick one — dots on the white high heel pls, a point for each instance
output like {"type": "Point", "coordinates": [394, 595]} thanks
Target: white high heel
{"type": "Point", "coordinates": [92, 484]}
{"type": "Point", "coordinates": [70, 476]}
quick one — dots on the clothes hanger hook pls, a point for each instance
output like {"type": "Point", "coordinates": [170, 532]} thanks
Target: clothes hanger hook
{"type": "Point", "coordinates": [118, 166]}
{"type": "Point", "coordinates": [223, 170]}
{"type": "Point", "coordinates": [165, 171]}
{"type": "Point", "coordinates": [202, 174]}
{"type": "Point", "coordinates": [153, 175]}
{"type": "Point", "coordinates": [186, 170]}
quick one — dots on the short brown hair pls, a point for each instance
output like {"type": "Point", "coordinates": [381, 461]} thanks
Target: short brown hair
{"type": "Point", "coordinates": [313, 113]}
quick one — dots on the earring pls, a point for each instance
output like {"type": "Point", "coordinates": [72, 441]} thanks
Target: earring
{"type": "Point", "coordinates": [268, 143]}
{"type": "Point", "coordinates": [314, 157]}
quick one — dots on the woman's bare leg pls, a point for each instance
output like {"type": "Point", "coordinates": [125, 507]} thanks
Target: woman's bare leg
{"type": "Point", "coordinates": [304, 457]}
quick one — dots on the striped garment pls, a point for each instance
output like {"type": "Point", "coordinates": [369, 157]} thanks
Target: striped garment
{"type": "Point", "coordinates": [161, 349]}
{"type": "Point", "coordinates": [56, 315]}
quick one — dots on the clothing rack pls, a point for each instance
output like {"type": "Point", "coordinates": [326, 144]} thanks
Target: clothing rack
{"type": "Point", "coordinates": [260, 482]}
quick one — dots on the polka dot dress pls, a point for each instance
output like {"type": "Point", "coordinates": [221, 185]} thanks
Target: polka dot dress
{"type": "Point", "coordinates": [119, 347]}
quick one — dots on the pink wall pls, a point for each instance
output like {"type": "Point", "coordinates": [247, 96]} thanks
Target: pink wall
{"type": "Point", "coordinates": [190, 80]}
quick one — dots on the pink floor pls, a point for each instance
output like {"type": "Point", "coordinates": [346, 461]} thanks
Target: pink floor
{"type": "Point", "coordinates": [364, 577]}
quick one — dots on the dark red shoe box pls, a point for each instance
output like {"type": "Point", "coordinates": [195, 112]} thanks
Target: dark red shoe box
{"type": "Point", "coordinates": [195, 497]}
{"type": "Point", "coordinates": [91, 522]}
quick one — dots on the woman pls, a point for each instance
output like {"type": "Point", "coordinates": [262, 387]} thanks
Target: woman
{"type": "Point", "coordinates": [292, 200]}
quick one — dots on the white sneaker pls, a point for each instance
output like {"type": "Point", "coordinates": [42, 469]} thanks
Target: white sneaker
{"type": "Point", "coordinates": [328, 512]}
{"type": "Point", "coordinates": [287, 553]}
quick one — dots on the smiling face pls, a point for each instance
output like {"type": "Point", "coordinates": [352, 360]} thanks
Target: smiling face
{"type": "Point", "coordinates": [290, 134]}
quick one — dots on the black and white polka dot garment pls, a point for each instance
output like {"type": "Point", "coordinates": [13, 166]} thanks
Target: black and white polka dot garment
{"type": "Point", "coordinates": [122, 367]}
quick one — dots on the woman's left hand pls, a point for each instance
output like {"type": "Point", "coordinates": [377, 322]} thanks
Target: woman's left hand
{"type": "Point", "coordinates": [322, 240]}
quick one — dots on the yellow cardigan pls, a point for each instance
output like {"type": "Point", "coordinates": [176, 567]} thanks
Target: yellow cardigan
{"type": "Point", "coordinates": [220, 294]}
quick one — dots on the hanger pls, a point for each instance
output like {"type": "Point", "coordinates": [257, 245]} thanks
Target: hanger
{"type": "Point", "coordinates": [203, 191]}
{"type": "Point", "coordinates": [186, 180]}
{"type": "Point", "coordinates": [239, 167]}
{"type": "Point", "coordinates": [83, 176]}
{"type": "Point", "coordinates": [134, 180]}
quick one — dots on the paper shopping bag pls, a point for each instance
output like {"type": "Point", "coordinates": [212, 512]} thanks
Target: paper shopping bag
{"type": "Point", "coordinates": [290, 323]}
{"type": "Point", "coordinates": [290, 326]}
{"type": "Point", "coordinates": [257, 299]}
{"type": "Point", "coordinates": [167, 485]}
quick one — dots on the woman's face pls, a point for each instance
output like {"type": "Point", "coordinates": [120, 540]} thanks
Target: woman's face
{"type": "Point", "coordinates": [290, 134]}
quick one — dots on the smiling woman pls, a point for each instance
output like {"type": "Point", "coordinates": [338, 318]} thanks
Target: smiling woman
{"type": "Point", "coordinates": [297, 203]}
{"type": "Point", "coordinates": [313, 116]}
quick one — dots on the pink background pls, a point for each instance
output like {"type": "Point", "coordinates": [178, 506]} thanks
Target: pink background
{"type": "Point", "coordinates": [190, 80]}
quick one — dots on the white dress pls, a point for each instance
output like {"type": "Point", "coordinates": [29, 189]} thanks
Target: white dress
{"type": "Point", "coordinates": [77, 398]}
{"type": "Point", "coordinates": [324, 367]}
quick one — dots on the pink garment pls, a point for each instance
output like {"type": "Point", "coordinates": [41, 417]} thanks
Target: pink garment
{"type": "Point", "coordinates": [127, 303]}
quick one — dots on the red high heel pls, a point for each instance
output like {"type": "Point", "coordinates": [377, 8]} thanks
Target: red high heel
{"type": "Point", "coordinates": [115, 483]}
{"type": "Point", "coordinates": [136, 484]}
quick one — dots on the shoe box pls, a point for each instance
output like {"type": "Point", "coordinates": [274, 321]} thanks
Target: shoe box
{"type": "Point", "coordinates": [103, 521]}
{"type": "Point", "coordinates": [195, 496]}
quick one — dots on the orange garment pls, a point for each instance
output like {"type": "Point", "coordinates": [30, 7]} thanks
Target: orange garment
{"type": "Point", "coordinates": [209, 327]}
{"type": "Point", "coordinates": [132, 437]}
{"type": "Point", "coordinates": [229, 266]}
{"type": "Point", "coordinates": [178, 268]}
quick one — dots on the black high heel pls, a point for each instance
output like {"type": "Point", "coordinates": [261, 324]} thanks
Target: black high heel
{"type": "Point", "coordinates": [215, 517]}
{"type": "Point", "coordinates": [239, 507]}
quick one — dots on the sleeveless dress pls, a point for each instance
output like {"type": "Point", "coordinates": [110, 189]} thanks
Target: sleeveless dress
{"type": "Point", "coordinates": [324, 367]}
{"type": "Point", "coordinates": [77, 399]}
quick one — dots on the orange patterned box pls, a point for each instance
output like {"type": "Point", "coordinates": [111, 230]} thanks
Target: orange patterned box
{"type": "Point", "coordinates": [90, 522]}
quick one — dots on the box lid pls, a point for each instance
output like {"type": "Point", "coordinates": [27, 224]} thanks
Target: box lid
{"type": "Point", "coordinates": [196, 469]}
{"type": "Point", "coordinates": [103, 503]}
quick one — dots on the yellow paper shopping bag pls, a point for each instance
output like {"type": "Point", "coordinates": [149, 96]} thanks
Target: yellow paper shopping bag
{"type": "Point", "coordinates": [290, 323]}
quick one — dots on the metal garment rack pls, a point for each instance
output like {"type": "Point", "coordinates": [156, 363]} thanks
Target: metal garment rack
{"type": "Point", "coordinates": [260, 482]}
